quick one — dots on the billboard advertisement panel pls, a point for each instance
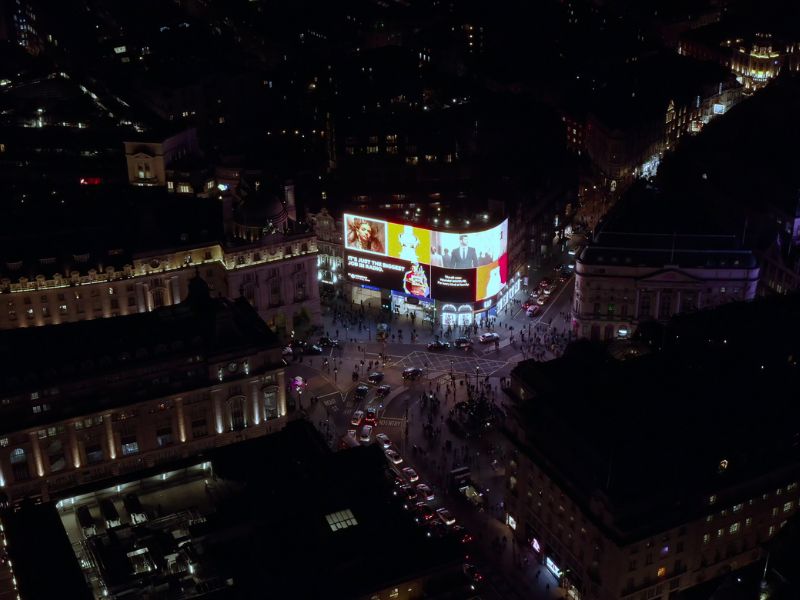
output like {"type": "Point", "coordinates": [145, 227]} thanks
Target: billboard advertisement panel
{"type": "Point", "coordinates": [445, 265]}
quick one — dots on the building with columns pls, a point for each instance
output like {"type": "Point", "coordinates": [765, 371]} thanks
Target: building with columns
{"type": "Point", "coordinates": [634, 271]}
{"type": "Point", "coordinates": [91, 400]}
{"type": "Point", "coordinates": [137, 250]}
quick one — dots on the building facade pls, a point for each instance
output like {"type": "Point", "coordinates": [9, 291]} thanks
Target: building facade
{"type": "Point", "coordinates": [139, 390]}
{"type": "Point", "coordinates": [611, 507]}
{"type": "Point", "coordinates": [275, 273]}
{"type": "Point", "coordinates": [624, 280]}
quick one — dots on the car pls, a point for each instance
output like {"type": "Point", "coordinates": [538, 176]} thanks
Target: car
{"type": "Point", "coordinates": [423, 513]}
{"type": "Point", "coordinates": [312, 349]}
{"type": "Point", "coordinates": [541, 300]}
{"type": "Point", "coordinates": [544, 283]}
{"type": "Point", "coordinates": [461, 534]}
{"type": "Point", "coordinates": [533, 310]}
{"type": "Point", "coordinates": [327, 342]}
{"type": "Point", "coordinates": [436, 529]}
{"type": "Point", "coordinates": [366, 434]}
{"type": "Point", "coordinates": [361, 391]}
{"type": "Point", "coordinates": [375, 377]}
{"type": "Point", "coordinates": [550, 289]}
{"type": "Point", "coordinates": [412, 373]}
{"type": "Point", "coordinates": [445, 516]}
{"type": "Point", "coordinates": [491, 336]}
{"type": "Point", "coordinates": [425, 492]}
{"type": "Point", "coordinates": [462, 343]}
{"type": "Point", "coordinates": [384, 440]}
{"type": "Point", "coordinates": [393, 455]}
{"type": "Point", "coordinates": [471, 571]}
{"type": "Point", "coordinates": [371, 417]}
{"type": "Point", "coordinates": [559, 266]}
{"type": "Point", "coordinates": [383, 390]}
{"type": "Point", "coordinates": [438, 345]}
{"type": "Point", "coordinates": [409, 496]}
{"type": "Point", "coordinates": [572, 251]}
{"type": "Point", "coordinates": [287, 351]}
{"type": "Point", "coordinates": [527, 304]}
{"type": "Point", "coordinates": [355, 421]}
{"type": "Point", "coordinates": [410, 474]}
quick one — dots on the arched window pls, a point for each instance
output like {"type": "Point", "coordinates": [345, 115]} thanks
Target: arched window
{"type": "Point", "coordinates": [236, 406]}
{"type": "Point", "coordinates": [19, 465]}
{"type": "Point", "coordinates": [158, 297]}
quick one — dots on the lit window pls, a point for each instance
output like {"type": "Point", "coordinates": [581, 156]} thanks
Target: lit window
{"type": "Point", "coordinates": [709, 518]}
{"type": "Point", "coordinates": [170, 185]}
{"type": "Point", "coordinates": [706, 538]}
{"type": "Point", "coordinates": [662, 571]}
{"type": "Point", "coordinates": [720, 532]}
{"type": "Point", "coordinates": [738, 507]}
{"type": "Point", "coordinates": [787, 507]}
{"type": "Point", "coordinates": [748, 521]}
{"type": "Point", "coordinates": [733, 528]}
{"type": "Point", "coordinates": [185, 188]}
{"type": "Point", "coordinates": [130, 448]}
{"type": "Point", "coordinates": [778, 492]}
{"type": "Point", "coordinates": [712, 499]}
{"type": "Point", "coordinates": [771, 530]}
{"type": "Point", "coordinates": [341, 520]}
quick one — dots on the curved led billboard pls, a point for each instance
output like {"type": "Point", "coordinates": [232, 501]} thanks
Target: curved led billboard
{"type": "Point", "coordinates": [448, 266]}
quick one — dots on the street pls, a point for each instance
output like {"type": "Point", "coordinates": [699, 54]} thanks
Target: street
{"type": "Point", "coordinates": [420, 433]}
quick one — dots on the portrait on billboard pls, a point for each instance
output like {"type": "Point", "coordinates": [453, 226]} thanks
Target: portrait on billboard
{"type": "Point", "coordinates": [415, 281]}
{"type": "Point", "coordinates": [468, 250]}
{"type": "Point", "coordinates": [409, 243]}
{"type": "Point", "coordinates": [368, 235]}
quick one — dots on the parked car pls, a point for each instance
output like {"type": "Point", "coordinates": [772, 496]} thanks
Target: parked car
{"type": "Point", "coordinates": [312, 349]}
{"type": "Point", "coordinates": [355, 421]}
{"type": "Point", "coordinates": [423, 513]}
{"type": "Point", "coordinates": [366, 434]}
{"type": "Point", "coordinates": [375, 377]}
{"type": "Point", "coordinates": [541, 300]}
{"type": "Point", "coordinates": [425, 492]}
{"type": "Point", "coordinates": [383, 390]}
{"type": "Point", "coordinates": [327, 342]}
{"type": "Point", "coordinates": [490, 336]}
{"type": "Point", "coordinates": [410, 474]}
{"type": "Point", "coordinates": [445, 516]}
{"type": "Point", "coordinates": [412, 373]}
{"type": "Point", "coordinates": [437, 345]}
{"type": "Point", "coordinates": [393, 455]}
{"type": "Point", "coordinates": [471, 571]}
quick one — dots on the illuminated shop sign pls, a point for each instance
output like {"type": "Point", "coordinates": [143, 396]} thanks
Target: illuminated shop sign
{"type": "Point", "coordinates": [536, 545]}
{"type": "Point", "coordinates": [448, 266]}
{"type": "Point", "coordinates": [552, 566]}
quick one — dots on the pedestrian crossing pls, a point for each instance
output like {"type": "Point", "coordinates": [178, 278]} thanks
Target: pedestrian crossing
{"type": "Point", "coordinates": [447, 362]}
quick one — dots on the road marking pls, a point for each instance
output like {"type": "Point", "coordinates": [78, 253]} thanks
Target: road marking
{"type": "Point", "coordinates": [391, 422]}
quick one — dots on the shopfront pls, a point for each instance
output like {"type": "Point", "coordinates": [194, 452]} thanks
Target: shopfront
{"type": "Point", "coordinates": [422, 310]}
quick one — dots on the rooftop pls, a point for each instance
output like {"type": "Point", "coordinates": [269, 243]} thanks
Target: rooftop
{"type": "Point", "coordinates": [281, 513]}
{"type": "Point", "coordinates": [651, 228]}
{"type": "Point", "coordinates": [626, 436]}
{"type": "Point", "coordinates": [36, 358]}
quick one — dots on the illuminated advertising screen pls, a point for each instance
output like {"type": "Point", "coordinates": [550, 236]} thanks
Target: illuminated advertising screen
{"type": "Point", "coordinates": [456, 267]}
